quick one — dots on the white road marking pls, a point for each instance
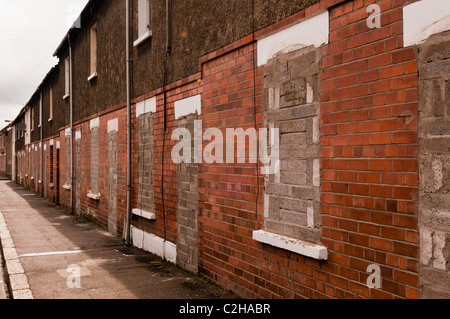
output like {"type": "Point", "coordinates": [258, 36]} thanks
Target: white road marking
{"type": "Point", "coordinates": [53, 253]}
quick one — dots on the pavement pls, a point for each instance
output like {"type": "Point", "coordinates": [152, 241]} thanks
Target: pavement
{"type": "Point", "coordinates": [50, 254]}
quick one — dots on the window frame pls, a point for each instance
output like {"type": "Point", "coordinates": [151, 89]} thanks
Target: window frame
{"type": "Point", "coordinates": [67, 77]}
{"type": "Point", "coordinates": [32, 119]}
{"type": "Point", "coordinates": [93, 54]}
{"type": "Point", "coordinates": [144, 22]}
{"type": "Point", "coordinates": [50, 96]}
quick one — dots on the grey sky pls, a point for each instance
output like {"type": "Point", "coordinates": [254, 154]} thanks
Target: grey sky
{"type": "Point", "coordinates": [30, 32]}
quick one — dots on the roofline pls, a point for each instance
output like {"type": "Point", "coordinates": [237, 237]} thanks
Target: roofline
{"type": "Point", "coordinates": [72, 28]}
{"type": "Point", "coordinates": [34, 95]}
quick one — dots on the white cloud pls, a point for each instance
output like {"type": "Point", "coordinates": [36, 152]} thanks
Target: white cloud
{"type": "Point", "coordinates": [30, 32]}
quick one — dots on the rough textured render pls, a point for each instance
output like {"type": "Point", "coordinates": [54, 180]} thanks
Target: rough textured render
{"type": "Point", "coordinates": [145, 164]}
{"type": "Point", "coordinates": [187, 216]}
{"type": "Point", "coordinates": [434, 164]}
{"type": "Point", "coordinates": [291, 96]}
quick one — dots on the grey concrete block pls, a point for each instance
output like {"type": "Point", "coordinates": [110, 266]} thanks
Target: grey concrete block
{"type": "Point", "coordinates": [297, 205]}
{"type": "Point", "coordinates": [292, 217]}
{"type": "Point", "coordinates": [433, 292]}
{"type": "Point", "coordinates": [293, 140]}
{"type": "Point", "coordinates": [304, 192]}
{"type": "Point", "coordinates": [278, 189]}
{"type": "Point", "coordinates": [294, 126]}
{"type": "Point", "coordinates": [293, 178]}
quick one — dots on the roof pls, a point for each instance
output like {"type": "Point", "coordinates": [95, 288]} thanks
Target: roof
{"type": "Point", "coordinates": [74, 28]}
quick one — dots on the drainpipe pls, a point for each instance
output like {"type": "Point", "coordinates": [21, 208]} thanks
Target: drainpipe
{"type": "Point", "coordinates": [128, 62]}
{"type": "Point", "coordinates": [42, 144]}
{"type": "Point", "coordinates": [71, 122]}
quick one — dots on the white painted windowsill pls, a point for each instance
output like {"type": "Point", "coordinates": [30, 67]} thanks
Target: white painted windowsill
{"type": "Point", "coordinates": [144, 214]}
{"type": "Point", "coordinates": [93, 196]}
{"type": "Point", "coordinates": [142, 38]}
{"type": "Point", "coordinates": [93, 76]}
{"type": "Point", "coordinates": [295, 245]}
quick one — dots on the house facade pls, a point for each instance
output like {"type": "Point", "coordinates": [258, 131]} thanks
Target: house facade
{"type": "Point", "coordinates": [344, 102]}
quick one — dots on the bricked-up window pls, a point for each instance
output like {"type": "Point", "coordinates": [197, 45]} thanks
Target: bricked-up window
{"type": "Point", "coordinates": [292, 195]}
{"type": "Point", "coordinates": [51, 105]}
{"type": "Point", "coordinates": [93, 52]}
{"type": "Point", "coordinates": [144, 21]}
{"type": "Point", "coordinates": [67, 77]}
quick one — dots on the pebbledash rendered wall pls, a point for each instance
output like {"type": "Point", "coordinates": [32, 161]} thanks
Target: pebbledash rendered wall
{"type": "Point", "coordinates": [363, 116]}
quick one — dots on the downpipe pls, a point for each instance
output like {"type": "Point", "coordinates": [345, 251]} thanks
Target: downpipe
{"type": "Point", "coordinates": [128, 68]}
{"type": "Point", "coordinates": [71, 124]}
{"type": "Point", "coordinates": [41, 175]}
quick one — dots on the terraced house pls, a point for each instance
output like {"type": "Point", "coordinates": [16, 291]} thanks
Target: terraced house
{"type": "Point", "coordinates": [358, 91]}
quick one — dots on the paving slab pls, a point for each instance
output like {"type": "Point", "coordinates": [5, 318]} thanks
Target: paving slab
{"type": "Point", "coordinates": [53, 255]}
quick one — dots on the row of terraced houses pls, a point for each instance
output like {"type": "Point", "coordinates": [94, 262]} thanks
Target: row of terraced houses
{"type": "Point", "coordinates": [358, 90]}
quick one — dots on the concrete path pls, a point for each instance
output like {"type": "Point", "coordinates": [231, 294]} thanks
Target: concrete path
{"type": "Point", "coordinates": [52, 255]}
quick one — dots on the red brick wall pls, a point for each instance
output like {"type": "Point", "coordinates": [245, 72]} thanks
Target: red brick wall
{"type": "Point", "coordinates": [369, 167]}
{"type": "Point", "coordinates": [230, 194]}
{"type": "Point", "coordinates": [97, 209]}
{"type": "Point", "coordinates": [165, 170]}
{"type": "Point", "coordinates": [369, 148]}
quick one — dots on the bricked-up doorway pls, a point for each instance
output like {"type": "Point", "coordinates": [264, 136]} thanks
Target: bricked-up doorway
{"type": "Point", "coordinates": [57, 190]}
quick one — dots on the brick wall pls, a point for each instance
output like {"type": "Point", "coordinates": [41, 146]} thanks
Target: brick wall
{"type": "Point", "coordinates": [369, 147]}
{"type": "Point", "coordinates": [369, 141]}
{"type": "Point", "coordinates": [230, 195]}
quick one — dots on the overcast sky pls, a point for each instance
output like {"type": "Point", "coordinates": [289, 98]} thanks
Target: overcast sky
{"type": "Point", "coordinates": [30, 32]}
